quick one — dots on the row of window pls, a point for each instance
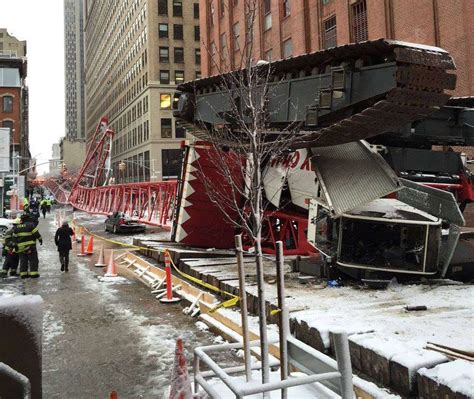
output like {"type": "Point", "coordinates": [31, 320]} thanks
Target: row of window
{"type": "Point", "coordinates": [177, 8]}
{"type": "Point", "coordinates": [141, 134]}
{"type": "Point", "coordinates": [163, 32]}
{"type": "Point", "coordinates": [178, 77]}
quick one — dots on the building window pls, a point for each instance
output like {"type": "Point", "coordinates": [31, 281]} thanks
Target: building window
{"type": "Point", "coordinates": [287, 48]}
{"type": "Point", "coordinates": [177, 8]}
{"type": "Point", "coordinates": [179, 77]}
{"type": "Point", "coordinates": [162, 7]}
{"type": "Point", "coordinates": [269, 55]}
{"type": "Point", "coordinates": [7, 104]}
{"type": "Point", "coordinates": [213, 49]}
{"type": "Point", "coordinates": [179, 132]}
{"type": "Point", "coordinates": [223, 45]}
{"type": "Point", "coordinates": [222, 8]}
{"type": "Point", "coordinates": [166, 129]}
{"type": "Point", "coordinates": [197, 56]}
{"type": "Point", "coordinates": [165, 101]}
{"type": "Point", "coordinates": [178, 32]}
{"type": "Point", "coordinates": [197, 33]}
{"type": "Point", "coordinates": [236, 32]}
{"type": "Point", "coordinates": [286, 8]}
{"type": "Point", "coordinates": [196, 10]}
{"type": "Point", "coordinates": [267, 12]}
{"type": "Point", "coordinates": [330, 35]}
{"type": "Point", "coordinates": [165, 77]}
{"type": "Point", "coordinates": [8, 124]}
{"type": "Point", "coordinates": [171, 161]}
{"type": "Point", "coordinates": [359, 22]}
{"type": "Point", "coordinates": [163, 31]}
{"type": "Point", "coordinates": [198, 75]}
{"type": "Point", "coordinates": [178, 55]}
{"type": "Point", "coordinates": [164, 54]}
{"type": "Point", "coordinates": [211, 12]}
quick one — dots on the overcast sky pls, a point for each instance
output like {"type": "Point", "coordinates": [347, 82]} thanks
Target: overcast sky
{"type": "Point", "coordinates": [41, 24]}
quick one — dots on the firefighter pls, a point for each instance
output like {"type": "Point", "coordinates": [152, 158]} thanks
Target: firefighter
{"type": "Point", "coordinates": [29, 217]}
{"type": "Point", "coordinates": [25, 236]}
{"type": "Point", "coordinates": [62, 238]}
{"type": "Point", "coordinates": [11, 257]}
{"type": "Point", "coordinates": [43, 207]}
{"type": "Point", "coordinates": [49, 203]}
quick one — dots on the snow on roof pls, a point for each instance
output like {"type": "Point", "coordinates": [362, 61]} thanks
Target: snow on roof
{"type": "Point", "coordinates": [457, 375]}
{"type": "Point", "coordinates": [390, 208]}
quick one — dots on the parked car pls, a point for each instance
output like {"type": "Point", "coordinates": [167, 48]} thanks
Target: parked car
{"type": "Point", "coordinates": [119, 223]}
{"type": "Point", "coordinates": [5, 224]}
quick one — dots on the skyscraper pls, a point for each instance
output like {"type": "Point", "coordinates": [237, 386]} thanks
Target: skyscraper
{"type": "Point", "coordinates": [136, 52]}
{"type": "Point", "coordinates": [74, 69]}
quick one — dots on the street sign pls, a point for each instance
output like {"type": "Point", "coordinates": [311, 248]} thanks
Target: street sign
{"type": "Point", "coordinates": [4, 149]}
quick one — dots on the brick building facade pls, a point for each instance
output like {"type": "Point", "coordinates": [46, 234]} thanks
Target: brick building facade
{"type": "Point", "coordinates": [14, 104]}
{"type": "Point", "coordinates": [284, 28]}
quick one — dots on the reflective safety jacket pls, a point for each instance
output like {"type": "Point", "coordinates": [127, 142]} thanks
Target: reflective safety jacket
{"type": "Point", "coordinates": [25, 236]}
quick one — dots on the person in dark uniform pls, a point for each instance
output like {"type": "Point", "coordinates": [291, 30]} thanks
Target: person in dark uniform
{"type": "Point", "coordinates": [11, 257]}
{"type": "Point", "coordinates": [24, 237]}
{"type": "Point", "coordinates": [43, 207]}
{"type": "Point", "coordinates": [62, 238]}
{"type": "Point", "coordinates": [28, 217]}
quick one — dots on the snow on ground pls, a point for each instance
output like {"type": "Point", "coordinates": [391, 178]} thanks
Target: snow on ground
{"type": "Point", "coordinates": [309, 391]}
{"type": "Point", "coordinates": [356, 310]}
{"type": "Point", "coordinates": [457, 375]}
{"type": "Point", "coordinates": [52, 327]}
{"type": "Point", "coordinates": [157, 342]}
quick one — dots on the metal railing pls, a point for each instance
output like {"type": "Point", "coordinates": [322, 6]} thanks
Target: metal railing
{"type": "Point", "coordinates": [335, 375]}
{"type": "Point", "coordinates": [18, 377]}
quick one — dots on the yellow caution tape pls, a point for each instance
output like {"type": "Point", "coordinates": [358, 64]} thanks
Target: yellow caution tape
{"type": "Point", "coordinates": [234, 299]}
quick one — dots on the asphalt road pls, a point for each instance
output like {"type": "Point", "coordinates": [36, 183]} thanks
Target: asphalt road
{"type": "Point", "coordinates": [99, 337]}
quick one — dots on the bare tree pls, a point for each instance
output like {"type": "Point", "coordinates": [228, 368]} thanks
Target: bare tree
{"type": "Point", "coordinates": [241, 147]}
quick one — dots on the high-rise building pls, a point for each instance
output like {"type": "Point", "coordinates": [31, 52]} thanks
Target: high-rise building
{"type": "Point", "coordinates": [136, 52]}
{"type": "Point", "coordinates": [55, 161]}
{"type": "Point", "coordinates": [74, 69]}
{"type": "Point", "coordinates": [14, 95]}
{"type": "Point", "coordinates": [284, 28]}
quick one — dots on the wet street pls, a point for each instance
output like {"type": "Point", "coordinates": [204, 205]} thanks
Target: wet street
{"type": "Point", "coordinates": [99, 337]}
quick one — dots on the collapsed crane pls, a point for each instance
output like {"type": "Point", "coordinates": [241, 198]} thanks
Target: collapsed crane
{"type": "Point", "coordinates": [341, 187]}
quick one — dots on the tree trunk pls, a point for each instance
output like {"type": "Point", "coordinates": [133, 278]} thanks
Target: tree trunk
{"type": "Point", "coordinates": [260, 274]}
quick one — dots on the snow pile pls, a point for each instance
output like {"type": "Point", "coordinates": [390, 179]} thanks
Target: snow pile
{"type": "Point", "coordinates": [201, 326]}
{"type": "Point", "coordinates": [308, 391]}
{"type": "Point", "coordinates": [413, 361]}
{"type": "Point", "coordinates": [457, 375]}
{"type": "Point", "coordinates": [26, 309]}
{"type": "Point", "coordinates": [8, 291]}
{"type": "Point", "coordinates": [360, 311]}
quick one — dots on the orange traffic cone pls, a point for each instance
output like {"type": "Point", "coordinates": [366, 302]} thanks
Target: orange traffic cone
{"type": "Point", "coordinates": [82, 253]}
{"type": "Point", "coordinates": [100, 261]}
{"type": "Point", "coordinates": [90, 246]}
{"type": "Point", "coordinates": [111, 269]}
{"type": "Point", "coordinates": [180, 384]}
{"type": "Point", "coordinates": [113, 395]}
